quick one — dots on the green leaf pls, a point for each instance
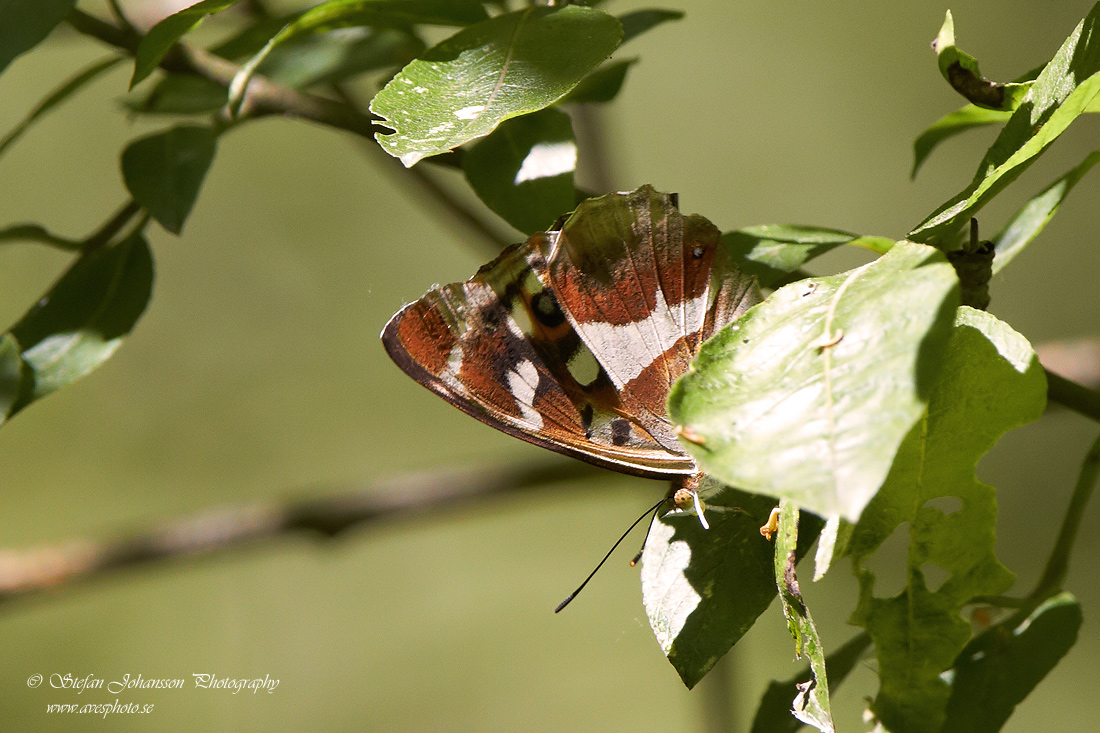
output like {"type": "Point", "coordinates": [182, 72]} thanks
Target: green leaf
{"type": "Point", "coordinates": [774, 713]}
{"type": "Point", "coordinates": [811, 703]}
{"type": "Point", "coordinates": [336, 14]}
{"type": "Point", "coordinates": [989, 383]}
{"type": "Point", "coordinates": [81, 320]}
{"type": "Point", "coordinates": [11, 374]}
{"type": "Point", "coordinates": [334, 57]}
{"type": "Point", "coordinates": [773, 251]}
{"type": "Point", "coordinates": [26, 23]}
{"type": "Point", "coordinates": [998, 669]}
{"type": "Point", "coordinates": [56, 97]}
{"type": "Point", "coordinates": [808, 395]}
{"type": "Point", "coordinates": [602, 85]}
{"type": "Point", "coordinates": [703, 589]}
{"type": "Point", "coordinates": [524, 170]}
{"type": "Point", "coordinates": [161, 37]}
{"type": "Point", "coordinates": [961, 71]}
{"type": "Point", "coordinates": [639, 21]}
{"type": "Point", "coordinates": [181, 94]}
{"type": "Point", "coordinates": [1026, 224]}
{"type": "Point", "coordinates": [507, 66]}
{"type": "Point", "coordinates": [1064, 89]}
{"type": "Point", "coordinates": [164, 171]}
{"type": "Point", "coordinates": [952, 124]}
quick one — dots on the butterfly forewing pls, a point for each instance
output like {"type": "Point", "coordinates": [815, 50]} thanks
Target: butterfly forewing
{"type": "Point", "coordinates": [572, 339]}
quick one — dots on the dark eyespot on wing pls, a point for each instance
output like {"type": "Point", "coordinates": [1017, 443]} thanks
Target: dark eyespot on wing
{"type": "Point", "coordinates": [546, 309]}
{"type": "Point", "coordinates": [620, 431]}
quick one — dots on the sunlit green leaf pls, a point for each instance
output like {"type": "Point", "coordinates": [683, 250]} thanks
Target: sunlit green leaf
{"type": "Point", "coordinates": [164, 171]}
{"type": "Point", "coordinates": [773, 251]}
{"type": "Point", "coordinates": [511, 65]}
{"type": "Point", "coordinates": [811, 703]}
{"type": "Point", "coordinates": [774, 713]}
{"type": "Point", "coordinates": [808, 395]}
{"type": "Point", "coordinates": [336, 14]}
{"type": "Point", "coordinates": [703, 589]}
{"type": "Point", "coordinates": [998, 669]}
{"type": "Point", "coordinates": [990, 382]}
{"type": "Point", "coordinates": [161, 37]}
{"type": "Point", "coordinates": [1064, 89]}
{"type": "Point", "coordinates": [82, 319]}
{"type": "Point", "coordinates": [56, 97]}
{"type": "Point", "coordinates": [524, 170]}
{"type": "Point", "coordinates": [602, 85]}
{"type": "Point", "coordinates": [1018, 232]}
{"type": "Point", "coordinates": [26, 23]}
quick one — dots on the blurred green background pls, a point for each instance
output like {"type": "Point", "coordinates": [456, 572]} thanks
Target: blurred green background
{"type": "Point", "coordinates": [257, 373]}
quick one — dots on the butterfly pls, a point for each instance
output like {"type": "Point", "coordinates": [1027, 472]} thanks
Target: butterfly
{"type": "Point", "coordinates": [573, 339]}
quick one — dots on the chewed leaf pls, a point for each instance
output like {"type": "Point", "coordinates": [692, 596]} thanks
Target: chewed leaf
{"type": "Point", "coordinates": [1063, 91]}
{"type": "Point", "coordinates": [990, 382]}
{"type": "Point", "coordinates": [961, 71]}
{"type": "Point", "coordinates": [811, 702]}
{"type": "Point", "coordinates": [83, 318]}
{"type": "Point", "coordinates": [524, 170]}
{"type": "Point", "coordinates": [501, 68]}
{"type": "Point", "coordinates": [808, 395]}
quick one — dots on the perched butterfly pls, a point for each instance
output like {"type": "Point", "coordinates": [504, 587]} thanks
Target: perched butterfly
{"type": "Point", "coordinates": [572, 339]}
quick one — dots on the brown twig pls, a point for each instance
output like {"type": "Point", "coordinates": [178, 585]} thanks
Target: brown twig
{"type": "Point", "coordinates": [33, 571]}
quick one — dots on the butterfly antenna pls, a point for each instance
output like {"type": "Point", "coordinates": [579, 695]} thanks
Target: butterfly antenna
{"type": "Point", "coordinates": [618, 542]}
{"type": "Point", "coordinates": [646, 538]}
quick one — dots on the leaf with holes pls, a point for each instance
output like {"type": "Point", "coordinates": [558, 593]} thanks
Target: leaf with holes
{"type": "Point", "coordinates": [508, 66]}
{"type": "Point", "coordinates": [81, 321]}
{"type": "Point", "coordinates": [811, 702]}
{"type": "Point", "coordinates": [808, 395]}
{"type": "Point", "coordinates": [164, 171]}
{"type": "Point", "coordinates": [990, 382]}
{"type": "Point", "coordinates": [524, 170]}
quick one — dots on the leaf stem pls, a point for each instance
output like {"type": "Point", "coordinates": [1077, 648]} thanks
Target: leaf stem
{"type": "Point", "coordinates": [111, 227]}
{"type": "Point", "coordinates": [1070, 394]}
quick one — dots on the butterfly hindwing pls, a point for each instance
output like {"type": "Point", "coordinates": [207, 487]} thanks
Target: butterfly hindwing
{"type": "Point", "coordinates": [572, 339]}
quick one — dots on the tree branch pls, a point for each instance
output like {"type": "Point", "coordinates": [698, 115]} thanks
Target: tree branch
{"type": "Point", "coordinates": [28, 572]}
{"type": "Point", "coordinates": [263, 97]}
{"type": "Point", "coordinates": [1076, 397]}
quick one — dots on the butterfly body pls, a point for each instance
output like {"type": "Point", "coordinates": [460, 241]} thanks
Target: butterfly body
{"type": "Point", "coordinates": [572, 339]}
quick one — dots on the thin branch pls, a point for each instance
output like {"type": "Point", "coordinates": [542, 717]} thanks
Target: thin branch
{"type": "Point", "coordinates": [28, 572]}
{"type": "Point", "coordinates": [264, 96]}
{"type": "Point", "coordinates": [112, 226]}
{"type": "Point", "coordinates": [1076, 397]}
